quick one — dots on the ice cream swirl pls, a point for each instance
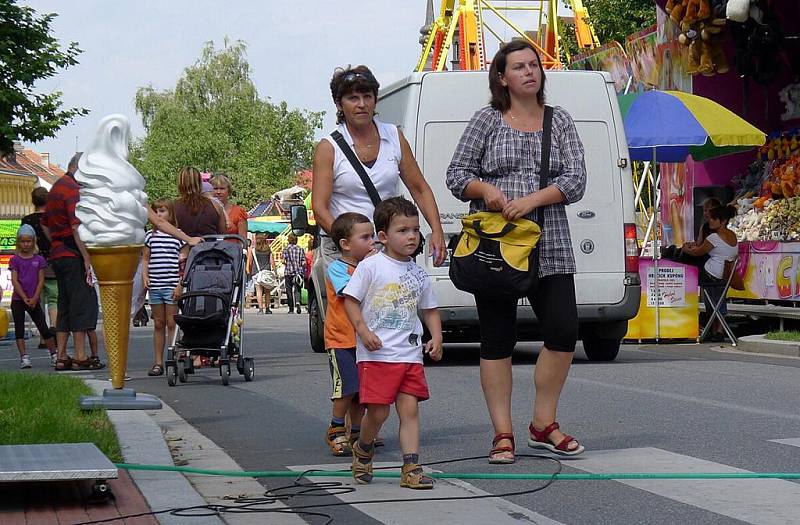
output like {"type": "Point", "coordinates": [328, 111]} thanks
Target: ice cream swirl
{"type": "Point", "coordinates": [112, 206]}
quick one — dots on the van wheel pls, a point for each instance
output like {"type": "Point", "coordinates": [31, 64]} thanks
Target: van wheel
{"type": "Point", "coordinates": [316, 327]}
{"type": "Point", "coordinates": [601, 349]}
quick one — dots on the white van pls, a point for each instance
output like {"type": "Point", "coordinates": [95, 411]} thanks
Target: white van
{"type": "Point", "coordinates": [432, 109]}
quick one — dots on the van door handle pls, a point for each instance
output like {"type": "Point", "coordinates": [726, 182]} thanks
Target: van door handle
{"type": "Point", "coordinates": [586, 214]}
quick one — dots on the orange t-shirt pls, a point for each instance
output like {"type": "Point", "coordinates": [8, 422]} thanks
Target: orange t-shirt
{"type": "Point", "coordinates": [339, 333]}
{"type": "Point", "coordinates": [236, 215]}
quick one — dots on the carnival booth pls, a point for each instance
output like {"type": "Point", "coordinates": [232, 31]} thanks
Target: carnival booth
{"type": "Point", "coordinates": [667, 127]}
{"type": "Point", "coordinates": [761, 42]}
{"type": "Point", "coordinates": [745, 56]}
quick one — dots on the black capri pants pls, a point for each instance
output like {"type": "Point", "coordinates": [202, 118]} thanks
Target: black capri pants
{"type": "Point", "coordinates": [554, 305]}
{"type": "Point", "coordinates": [18, 309]}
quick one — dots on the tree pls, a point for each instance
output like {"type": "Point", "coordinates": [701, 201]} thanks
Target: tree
{"type": "Point", "coordinates": [28, 53]}
{"type": "Point", "coordinates": [614, 20]}
{"type": "Point", "coordinates": [215, 120]}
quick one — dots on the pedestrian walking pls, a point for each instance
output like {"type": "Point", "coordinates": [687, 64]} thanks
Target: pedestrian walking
{"type": "Point", "coordinates": [294, 259]}
{"type": "Point", "coordinates": [497, 166]}
{"type": "Point", "coordinates": [383, 298]}
{"type": "Point", "coordinates": [354, 235]}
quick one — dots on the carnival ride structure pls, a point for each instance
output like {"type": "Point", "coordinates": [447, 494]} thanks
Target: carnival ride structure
{"type": "Point", "coordinates": [464, 22]}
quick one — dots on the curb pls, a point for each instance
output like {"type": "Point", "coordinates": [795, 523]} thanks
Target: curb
{"type": "Point", "coordinates": [141, 441]}
{"type": "Point", "coordinates": [158, 437]}
{"type": "Point", "coordinates": [761, 345]}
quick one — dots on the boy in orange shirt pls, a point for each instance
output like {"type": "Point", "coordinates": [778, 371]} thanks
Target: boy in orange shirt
{"type": "Point", "coordinates": [354, 235]}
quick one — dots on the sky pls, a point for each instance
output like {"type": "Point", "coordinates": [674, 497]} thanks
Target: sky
{"type": "Point", "coordinates": [293, 46]}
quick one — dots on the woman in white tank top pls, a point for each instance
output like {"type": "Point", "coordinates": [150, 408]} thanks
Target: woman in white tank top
{"type": "Point", "coordinates": [384, 153]}
{"type": "Point", "coordinates": [721, 246]}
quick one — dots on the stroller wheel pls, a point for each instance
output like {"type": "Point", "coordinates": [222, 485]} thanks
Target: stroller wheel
{"type": "Point", "coordinates": [249, 369]}
{"type": "Point", "coordinates": [182, 371]}
{"type": "Point", "coordinates": [240, 364]}
{"type": "Point", "coordinates": [172, 375]}
{"type": "Point", "coordinates": [225, 373]}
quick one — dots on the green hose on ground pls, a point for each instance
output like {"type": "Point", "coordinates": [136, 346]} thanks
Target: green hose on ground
{"type": "Point", "coordinates": [468, 475]}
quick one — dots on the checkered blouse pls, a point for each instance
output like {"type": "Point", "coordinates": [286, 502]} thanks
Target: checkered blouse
{"type": "Point", "coordinates": [492, 151]}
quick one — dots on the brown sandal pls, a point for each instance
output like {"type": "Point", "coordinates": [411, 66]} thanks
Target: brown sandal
{"type": "Point", "coordinates": [337, 441]}
{"type": "Point", "coordinates": [362, 472]}
{"type": "Point", "coordinates": [413, 477]}
{"type": "Point", "coordinates": [63, 364]}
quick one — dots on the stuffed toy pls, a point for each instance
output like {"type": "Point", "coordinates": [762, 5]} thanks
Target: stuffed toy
{"type": "Point", "coordinates": [701, 23]}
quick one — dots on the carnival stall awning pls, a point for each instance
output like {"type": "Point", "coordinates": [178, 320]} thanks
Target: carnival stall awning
{"type": "Point", "coordinates": [269, 224]}
{"type": "Point", "coordinates": [668, 126]}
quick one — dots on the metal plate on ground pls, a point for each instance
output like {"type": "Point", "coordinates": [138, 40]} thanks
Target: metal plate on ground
{"type": "Point", "coordinates": [54, 462]}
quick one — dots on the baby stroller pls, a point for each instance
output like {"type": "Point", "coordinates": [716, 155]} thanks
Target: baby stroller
{"type": "Point", "coordinates": [211, 310]}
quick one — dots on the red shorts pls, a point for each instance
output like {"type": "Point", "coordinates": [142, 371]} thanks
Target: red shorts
{"type": "Point", "coordinates": [380, 382]}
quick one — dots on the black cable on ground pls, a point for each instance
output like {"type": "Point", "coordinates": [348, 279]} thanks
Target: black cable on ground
{"type": "Point", "coordinates": [299, 488]}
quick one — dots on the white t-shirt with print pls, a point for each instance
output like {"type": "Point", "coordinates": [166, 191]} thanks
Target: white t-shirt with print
{"type": "Point", "coordinates": [391, 292]}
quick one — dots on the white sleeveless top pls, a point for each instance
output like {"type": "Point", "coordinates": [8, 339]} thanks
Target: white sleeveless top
{"type": "Point", "coordinates": [721, 252]}
{"type": "Point", "coordinates": [349, 193]}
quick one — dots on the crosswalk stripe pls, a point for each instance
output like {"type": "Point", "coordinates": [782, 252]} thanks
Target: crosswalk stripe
{"type": "Point", "coordinates": [495, 511]}
{"type": "Point", "coordinates": [795, 442]}
{"type": "Point", "coordinates": [758, 501]}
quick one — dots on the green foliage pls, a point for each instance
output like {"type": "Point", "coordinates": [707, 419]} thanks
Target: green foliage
{"type": "Point", "coordinates": [39, 409]}
{"type": "Point", "coordinates": [613, 20]}
{"type": "Point", "coordinates": [28, 53]}
{"type": "Point", "coordinates": [788, 335]}
{"type": "Point", "coordinates": [215, 120]}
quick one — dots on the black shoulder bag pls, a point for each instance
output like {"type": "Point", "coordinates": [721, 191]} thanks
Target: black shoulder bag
{"type": "Point", "coordinates": [365, 180]}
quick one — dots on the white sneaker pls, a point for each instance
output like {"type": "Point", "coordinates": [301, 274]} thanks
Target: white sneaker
{"type": "Point", "coordinates": [53, 359]}
{"type": "Point", "coordinates": [25, 361]}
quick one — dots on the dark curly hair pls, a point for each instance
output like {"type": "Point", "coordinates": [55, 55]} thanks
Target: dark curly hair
{"type": "Point", "coordinates": [501, 100]}
{"type": "Point", "coordinates": [347, 80]}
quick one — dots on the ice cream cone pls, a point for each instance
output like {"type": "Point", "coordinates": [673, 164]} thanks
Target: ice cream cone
{"type": "Point", "coordinates": [115, 267]}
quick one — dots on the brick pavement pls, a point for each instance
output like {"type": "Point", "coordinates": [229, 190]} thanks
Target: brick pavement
{"type": "Point", "coordinates": [65, 503]}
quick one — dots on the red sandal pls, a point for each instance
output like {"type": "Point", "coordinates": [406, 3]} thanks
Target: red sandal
{"type": "Point", "coordinates": [499, 450]}
{"type": "Point", "coordinates": [540, 439]}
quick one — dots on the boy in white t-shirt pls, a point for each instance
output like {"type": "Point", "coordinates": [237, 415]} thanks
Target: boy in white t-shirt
{"type": "Point", "coordinates": [381, 300]}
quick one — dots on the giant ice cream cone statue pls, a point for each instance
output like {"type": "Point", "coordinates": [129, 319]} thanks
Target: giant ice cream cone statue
{"type": "Point", "coordinates": [112, 214]}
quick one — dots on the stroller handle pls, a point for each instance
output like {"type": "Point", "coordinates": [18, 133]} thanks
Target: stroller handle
{"type": "Point", "coordinates": [225, 237]}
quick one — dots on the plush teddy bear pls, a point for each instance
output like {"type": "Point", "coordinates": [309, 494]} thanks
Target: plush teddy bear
{"type": "Point", "coordinates": [701, 22]}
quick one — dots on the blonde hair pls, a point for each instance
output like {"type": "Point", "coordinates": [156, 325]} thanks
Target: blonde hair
{"type": "Point", "coordinates": [190, 189]}
{"type": "Point", "coordinates": [220, 179]}
{"type": "Point", "coordinates": [35, 245]}
{"type": "Point", "coordinates": [168, 205]}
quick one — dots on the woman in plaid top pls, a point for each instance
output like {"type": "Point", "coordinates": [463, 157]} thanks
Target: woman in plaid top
{"type": "Point", "coordinates": [496, 167]}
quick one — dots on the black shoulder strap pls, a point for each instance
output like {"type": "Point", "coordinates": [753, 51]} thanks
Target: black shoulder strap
{"type": "Point", "coordinates": [351, 156]}
{"type": "Point", "coordinates": [544, 173]}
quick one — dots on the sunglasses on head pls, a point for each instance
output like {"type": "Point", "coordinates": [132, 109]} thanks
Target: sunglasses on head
{"type": "Point", "coordinates": [354, 75]}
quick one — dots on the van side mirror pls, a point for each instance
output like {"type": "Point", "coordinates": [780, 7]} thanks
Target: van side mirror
{"type": "Point", "coordinates": [299, 219]}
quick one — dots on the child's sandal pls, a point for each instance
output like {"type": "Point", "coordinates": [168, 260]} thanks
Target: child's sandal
{"type": "Point", "coordinates": [413, 477]}
{"type": "Point", "coordinates": [362, 472]}
{"type": "Point", "coordinates": [337, 441]}
{"type": "Point", "coordinates": [353, 437]}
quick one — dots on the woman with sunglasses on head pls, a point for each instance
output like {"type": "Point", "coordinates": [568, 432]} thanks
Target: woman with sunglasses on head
{"type": "Point", "coordinates": [497, 167]}
{"type": "Point", "coordinates": [383, 152]}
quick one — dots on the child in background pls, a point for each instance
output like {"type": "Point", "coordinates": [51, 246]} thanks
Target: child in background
{"type": "Point", "coordinates": [382, 299]}
{"type": "Point", "coordinates": [27, 277]}
{"type": "Point", "coordinates": [161, 278]}
{"type": "Point", "coordinates": [354, 236]}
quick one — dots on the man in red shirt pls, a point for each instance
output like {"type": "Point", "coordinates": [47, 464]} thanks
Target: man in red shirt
{"type": "Point", "coordinates": [77, 299]}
